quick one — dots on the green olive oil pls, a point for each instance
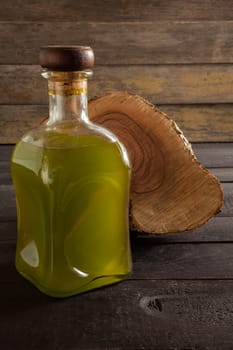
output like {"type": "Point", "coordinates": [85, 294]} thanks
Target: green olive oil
{"type": "Point", "coordinates": [72, 227]}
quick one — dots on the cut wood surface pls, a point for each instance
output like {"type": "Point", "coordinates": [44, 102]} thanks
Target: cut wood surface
{"type": "Point", "coordinates": [169, 188]}
{"type": "Point", "coordinates": [198, 122]}
{"type": "Point", "coordinates": [109, 11]}
{"type": "Point", "coordinates": [155, 42]}
{"type": "Point", "coordinates": [166, 84]}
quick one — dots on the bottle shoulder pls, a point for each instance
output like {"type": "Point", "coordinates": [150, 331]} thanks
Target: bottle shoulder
{"type": "Point", "coordinates": [68, 135]}
{"type": "Point", "coordinates": [48, 135]}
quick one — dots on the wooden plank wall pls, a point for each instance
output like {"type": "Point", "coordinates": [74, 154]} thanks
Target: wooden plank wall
{"type": "Point", "coordinates": [176, 53]}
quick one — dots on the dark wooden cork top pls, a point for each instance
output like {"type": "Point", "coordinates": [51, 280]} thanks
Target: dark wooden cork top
{"type": "Point", "coordinates": [66, 58]}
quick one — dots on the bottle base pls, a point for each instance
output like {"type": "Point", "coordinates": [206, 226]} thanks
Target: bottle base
{"type": "Point", "coordinates": [97, 282]}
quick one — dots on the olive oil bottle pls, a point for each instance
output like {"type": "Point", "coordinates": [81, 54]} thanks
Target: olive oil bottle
{"type": "Point", "coordinates": [71, 179]}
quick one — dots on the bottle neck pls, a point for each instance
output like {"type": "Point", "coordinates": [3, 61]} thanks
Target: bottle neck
{"type": "Point", "coordinates": [67, 96]}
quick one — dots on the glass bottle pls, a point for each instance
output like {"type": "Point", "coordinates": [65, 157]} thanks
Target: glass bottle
{"type": "Point", "coordinates": [71, 179]}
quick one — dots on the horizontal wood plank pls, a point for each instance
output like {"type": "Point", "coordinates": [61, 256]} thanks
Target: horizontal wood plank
{"type": "Point", "coordinates": [130, 315]}
{"type": "Point", "coordinates": [164, 261]}
{"type": "Point", "coordinates": [225, 175]}
{"type": "Point", "coordinates": [227, 209]}
{"type": "Point", "coordinates": [7, 203]}
{"type": "Point", "coordinates": [211, 155]}
{"type": "Point", "coordinates": [214, 155]}
{"type": "Point", "coordinates": [182, 261]}
{"type": "Point", "coordinates": [8, 210]}
{"type": "Point", "coordinates": [152, 260]}
{"type": "Point", "coordinates": [109, 10]}
{"type": "Point", "coordinates": [209, 123]}
{"type": "Point", "coordinates": [156, 42]}
{"type": "Point", "coordinates": [218, 229]}
{"type": "Point", "coordinates": [16, 120]}
{"type": "Point", "coordinates": [166, 84]}
{"type": "Point", "coordinates": [8, 231]}
{"type": "Point", "coordinates": [5, 173]}
{"type": "Point", "coordinates": [218, 156]}
{"type": "Point", "coordinates": [5, 153]}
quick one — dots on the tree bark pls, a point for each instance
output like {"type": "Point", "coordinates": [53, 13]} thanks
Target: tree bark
{"type": "Point", "coordinates": [170, 190]}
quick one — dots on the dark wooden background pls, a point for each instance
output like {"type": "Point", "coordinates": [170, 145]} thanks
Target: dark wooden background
{"type": "Point", "coordinates": [179, 55]}
{"type": "Point", "coordinates": [176, 53]}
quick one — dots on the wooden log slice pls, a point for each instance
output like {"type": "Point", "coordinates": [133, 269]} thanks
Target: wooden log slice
{"type": "Point", "coordinates": [170, 190]}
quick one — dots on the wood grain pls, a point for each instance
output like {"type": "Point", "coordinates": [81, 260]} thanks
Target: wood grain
{"type": "Point", "coordinates": [223, 174]}
{"type": "Point", "coordinates": [5, 153]}
{"type": "Point", "coordinates": [8, 211]}
{"type": "Point", "coordinates": [198, 122]}
{"type": "Point", "coordinates": [203, 123]}
{"type": "Point", "coordinates": [155, 260]}
{"type": "Point", "coordinates": [182, 261]}
{"type": "Point", "coordinates": [218, 229]}
{"type": "Point", "coordinates": [7, 203]}
{"type": "Point", "coordinates": [158, 261]}
{"type": "Point", "coordinates": [211, 155]}
{"type": "Point", "coordinates": [214, 155]}
{"type": "Point", "coordinates": [167, 84]}
{"type": "Point", "coordinates": [108, 10]}
{"type": "Point", "coordinates": [130, 315]}
{"type": "Point", "coordinates": [227, 209]}
{"type": "Point", "coordinates": [156, 42]}
{"type": "Point", "coordinates": [169, 189]}
{"type": "Point", "coordinates": [16, 120]}
{"type": "Point", "coordinates": [178, 261]}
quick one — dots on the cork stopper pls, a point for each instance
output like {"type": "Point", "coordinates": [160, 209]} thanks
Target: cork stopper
{"type": "Point", "coordinates": [67, 58]}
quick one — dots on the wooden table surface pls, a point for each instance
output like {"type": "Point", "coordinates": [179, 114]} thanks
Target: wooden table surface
{"type": "Point", "coordinates": [179, 296]}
